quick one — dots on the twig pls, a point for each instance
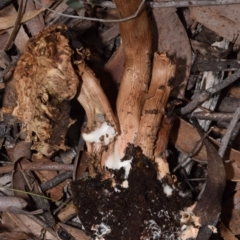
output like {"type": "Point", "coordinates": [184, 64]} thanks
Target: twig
{"type": "Point", "coordinates": [168, 4]}
{"type": "Point", "coordinates": [185, 161]}
{"type": "Point", "coordinates": [228, 134]}
{"type": "Point", "coordinates": [196, 179]}
{"type": "Point", "coordinates": [56, 180]}
{"type": "Point", "coordinates": [32, 185]}
{"type": "Point", "coordinates": [206, 94]}
{"type": "Point", "coordinates": [95, 19]}
{"type": "Point", "coordinates": [52, 166]}
{"type": "Point", "coordinates": [61, 205]}
{"type": "Point", "coordinates": [16, 210]}
{"type": "Point", "coordinates": [215, 65]}
{"type": "Point", "coordinates": [15, 28]}
{"type": "Point", "coordinates": [213, 116]}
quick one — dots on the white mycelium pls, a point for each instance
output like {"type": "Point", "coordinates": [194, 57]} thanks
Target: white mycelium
{"type": "Point", "coordinates": [114, 161]}
{"type": "Point", "coordinates": [104, 133]}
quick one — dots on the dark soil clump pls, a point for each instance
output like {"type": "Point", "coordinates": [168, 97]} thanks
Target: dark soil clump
{"type": "Point", "coordinates": [140, 210]}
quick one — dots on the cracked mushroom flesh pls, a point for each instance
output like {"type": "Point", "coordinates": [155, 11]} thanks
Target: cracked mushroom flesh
{"type": "Point", "coordinates": [45, 82]}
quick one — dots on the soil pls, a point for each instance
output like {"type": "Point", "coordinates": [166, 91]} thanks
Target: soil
{"type": "Point", "coordinates": [141, 210]}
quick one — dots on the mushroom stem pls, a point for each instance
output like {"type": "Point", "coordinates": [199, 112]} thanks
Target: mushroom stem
{"type": "Point", "coordinates": [137, 44]}
{"type": "Point", "coordinates": [101, 127]}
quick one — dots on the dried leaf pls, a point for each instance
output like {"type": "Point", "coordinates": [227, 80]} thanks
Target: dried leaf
{"type": "Point", "coordinates": [226, 233]}
{"type": "Point", "coordinates": [220, 19]}
{"type": "Point", "coordinates": [76, 233]}
{"type": "Point", "coordinates": [36, 24]}
{"type": "Point", "coordinates": [9, 21]}
{"type": "Point", "coordinates": [184, 136]}
{"type": "Point", "coordinates": [173, 39]}
{"type": "Point", "coordinates": [13, 236]}
{"type": "Point", "coordinates": [22, 223]}
{"type": "Point", "coordinates": [6, 202]}
{"type": "Point", "coordinates": [19, 182]}
{"type": "Point", "coordinates": [21, 38]}
{"type": "Point", "coordinates": [231, 219]}
{"type": "Point", "coordinates": [21, 150]}
{"type": "Point", "coordinates": [208, 207]}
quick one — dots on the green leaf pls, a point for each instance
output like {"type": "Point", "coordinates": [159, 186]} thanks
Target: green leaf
{"type": "Point", "coordinates": [74, 4]}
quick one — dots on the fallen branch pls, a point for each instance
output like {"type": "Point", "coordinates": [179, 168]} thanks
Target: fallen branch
{"type": "Point", "coordinates": [38, 166]}
{"type": "Point", "coordinates": [176, 4]}
{"type": "Point", "coordinates": [213, 116]}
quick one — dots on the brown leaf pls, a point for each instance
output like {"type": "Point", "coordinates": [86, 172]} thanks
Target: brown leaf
{"type": "Point", "coordinates": [220, 19]}
{"type": "Point", "coordinates": [6, 202]}
{"type": "Point", "coordinates": [9, 20]}
{"type": "Point", "coordinates": [22, 149]}
{"type": "Point", "coordinates": [76, 233]}
{"type": "Point", "coordinates": [19, 182]}
{"type": "Point", "coordinates": [22, 223]}
{"type": "Point", "coordinates": [13, 236]}
{"type": "Point", "coordinates": [208, 206]}
{"type": "Point", "coordinates": [184, 136]}
{"type": "Point", "coordinates": [226, 233]}
{"type": "Point", "coordinates": [36, 24]}
{"type": "Point", "coordinates": [173, 39]}
{"type": "Point", "coordinates": [231, 219]}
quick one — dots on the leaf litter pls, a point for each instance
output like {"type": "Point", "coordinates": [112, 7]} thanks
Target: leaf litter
{"type": "Point", "coordinates": [136, 207]}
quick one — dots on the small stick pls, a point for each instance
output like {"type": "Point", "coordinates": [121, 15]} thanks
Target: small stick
{"type": "Point", "coordinates": [62, 205]}
{"type": "Point", "coordinates": [230, 129]}
{"type": "Point", "coordinates": [196, 179]}
{"type": "Point", "coordinates": [56, 180]}
{"type": "Point", "coordinates": [16, 26]}
{"type": "Point", "coordinates": [213, 116]}
{"type": "Point", "coordinates": [51, 166]}
{"type": "Point", "coordinates": [16, 210]}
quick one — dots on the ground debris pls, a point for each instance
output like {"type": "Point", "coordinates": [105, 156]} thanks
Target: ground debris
{"type": "Point", "coordinates": [139, 210]}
